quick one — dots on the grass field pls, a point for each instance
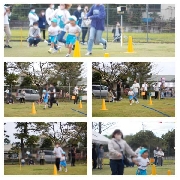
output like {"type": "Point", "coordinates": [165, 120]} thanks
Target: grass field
{"type": "Point", "coordinates": [161, 45]}
{"type": "Point", "coordinates": [63, 110]}
{"type": "Point", "coordinates": [43, 170]}
{"type": "Point", "coordinates": [123, 109]}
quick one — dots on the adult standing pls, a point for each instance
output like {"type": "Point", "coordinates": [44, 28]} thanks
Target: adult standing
{"type": "Point", "coordinates": [77, 14]}
{"type": "Point", "coordinates": [94, 156]}
{"type": "Point", "coordinates": [62, 15]}
{"type": "Point", "coordinates": [7, 14]}
{"type": "Point", "coordinates": [162, 88]}
{"type": "Point", "coordinates": [51, 94]}
{"type": "Point", "coordinates": [85, 24]}
{"type": "Point", "coordinates": [42, 157]}
{"type": "Point", "coordinates": [135, 88]}
{"type": "Point", "coordinates": [118, 147]}
{"type": "Point", "coordinates": [138, 151]}
{"type": "Point", "coordinates": [97, 16]}
{"type": "Point", "coordinates": [49, 12]}
{"type": "Point", "coordinates": [160, 155]}
{"type": "Point", "coordinates": [155, 155]}
{"type": "Point", "coordinates": [32, 17]}
{"type": "Point", "coordinates": [156, 89]}
{"type": "Point", "coordinates": [76, 94]}
{"type": "Point", "coordinates": [100, 156]}
{"type": "Point", "coordinates": [117, 32]}
{"type": "Point", "coordinates": [42, 24]}
{"type": "Point", "coordinates": [73, 156]}
{"type": "Point", "coordinates": [58, 154]}
{"type": "Point", "coordinates": [119, 84]}
{"type": "Point", "coordinates": [144, 89]}
{"type": "Point", "coordinates": [7, 92]}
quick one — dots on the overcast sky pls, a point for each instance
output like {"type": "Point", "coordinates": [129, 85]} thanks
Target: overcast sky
{"type": "Point", "coordinates": [132, 127]}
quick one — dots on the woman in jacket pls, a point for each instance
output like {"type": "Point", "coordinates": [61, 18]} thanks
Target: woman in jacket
{"type": "Point", "coordinates": [117, 149]}
{"type": "Point", "coordinates": [42, 24]}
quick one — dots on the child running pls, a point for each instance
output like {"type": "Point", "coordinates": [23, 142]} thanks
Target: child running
{"type": "Point", "coordinates": [63, 162]}
{"type": "Point", "coordinates": [53, 31]}
{"type": "Point", "coordinates": [142, 162]}
{"type": "Point", "coordinates": [130, 94]}
{"type": "Point", "coordinates": [73, 31]}
{"type": "Point", "coordinates": [45, 98]}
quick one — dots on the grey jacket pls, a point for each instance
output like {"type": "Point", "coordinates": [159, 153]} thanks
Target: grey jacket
{"type": "Point", "coordinates": [114, 149]}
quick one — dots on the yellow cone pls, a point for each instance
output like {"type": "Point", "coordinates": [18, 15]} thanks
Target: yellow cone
{"type": "Point", "coordinates": [80, 105]}
{"type": "Point", "coordinates": [169, 172]}
{"type": "Point", "coordinates": [33, 109]}
{"type": "Point", "coordinates": [106, 55]}
{"type": "Point", "coordinates": [77, 52]}
{"type": "Point", "coordinates": [150, 101]}
{"type": "Point", "coordinates": [104, 105]}
{"type": "Point", "coordinates": [55, 170]}
{"type": "Point", "coordinates": [153, 170]}
{"type": "Point", "coordinates": [130, 45]}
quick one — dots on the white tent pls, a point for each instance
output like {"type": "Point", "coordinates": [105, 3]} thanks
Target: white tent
{"type": "Point", "coordinates": [98, 138]}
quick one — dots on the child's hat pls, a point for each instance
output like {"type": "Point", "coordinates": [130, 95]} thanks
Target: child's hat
{"type": "Point", "coordinates": [131, 88]}
{"type": "Point", "coordinates": [44, 91]}
{"type": "Point", "coordinates": [72, 18]}
{"type": "Point", "coordinates": [142, 151]}
{"type": "Point", "coordinates": [54, 20]}
{"type": "Point", "coordinates": [63, 152]}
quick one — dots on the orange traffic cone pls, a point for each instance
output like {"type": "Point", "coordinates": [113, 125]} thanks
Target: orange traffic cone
{"type": "Point", "coordinates": [77, 52]}
{"type": "Point", "coordinates": [150, 101]}
{"type": "Point", "coordinates": [55, 170]}
{"type": "Point", "coordinates": [80, 105]}
{"type": "Point", "coordinates": [130, 45]}
{"type": "Point", "coordinates": [106, 55]}
{"type": "Point", "coordinates": [33, 109]}
{"type": "Point", "coordinates": [103, 105]}
{"type": "Point", "coordinates": [169, 172]}
{"type": "Point", "coordinates": [153, 170]}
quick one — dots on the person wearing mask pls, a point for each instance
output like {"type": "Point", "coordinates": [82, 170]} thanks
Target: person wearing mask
{"type": "Point", "coordinates": [155, 155]}
{"type": "Point", "coordinates": [97, 16]}
{"type": "Point", "coordinates": [160, 155]}
{"type": "Point", "coordinates": [156, 89]}
{"type": "Point", "coordinates": [73, 156]}
{"type": "Point", "coordinates": [144, 89]}
{"type": "Point", "coordinates": [34, 35]}
{"type": "Point", "coordinates": [51, 92]}
{"type": "Point", "coordinates": [7, 31]}
{"type": "Point", "coordinates": [85, 24]}
{"type": "Point", "coordinates": [94, 156]}
{"type": "Point", "coordinates": [62, 15]}
{"type": "Point", "coordinates": [100, 156]}
{"type": "Point", "coordinates": [32, 17]}
{"type": "Point", "coordinates": [119, 90]}
{"type": "Point", "coordinates": [135, 88]}
{"type": "Point", "coordinates": [42, 24]}
{"type": "Point", "coordinates": [58, 154]}
{"type": "Point", "coordinates": [118, 147]}
{"type": "Point", "coordinates": [117, 32]}
{"type": "Point", "coordinates": [77, 14]}
{"type": "Point", "coordinates": [76, 92]}
{"type": "Point", "coordinates": [48, 14]}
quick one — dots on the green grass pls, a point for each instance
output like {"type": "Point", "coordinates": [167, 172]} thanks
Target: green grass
{"type": "Point", "coordinates": [123, 109]}
{"type": "Point", "coordinates": [161, 45]}
{"type": "Point", "coordinates": [63, 110]}
{"type": "Point", "coordinates": [43, 170]}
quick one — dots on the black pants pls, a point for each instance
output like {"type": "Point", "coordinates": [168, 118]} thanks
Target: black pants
{"type": "Point", "coordinates": [118, 95]}
{"type": "Point", "coordinates": [52, 100]}
{"type": "Point", "coordinates": [44, 33]}
{"type": "Point", "coordinates": [156, 94]}
{"type": "Point", "coordinates": [117, 167]}
{"type": "Point", "coordinates": [155, 160]}
{"type": "Point", "coordinates": [57, 163]}
{"type": "Point", "coordinates": [41, 161]}
{"type": "Point", "coordinates": [145, 96]}
{"type": "Point", "coordinates": [84, 32]}
{"type": "Point", "coordinates": [22, 100]}
{"type": "Point", "coordinates": [76, 99]}
{"type": "Point", "coordinates": [94, 163]}
{"type": "Point", "coordinates": [73, 161]}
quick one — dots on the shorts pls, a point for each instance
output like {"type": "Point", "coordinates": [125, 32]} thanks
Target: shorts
{"type": "Point", "coordinates": [63, 163]}
{"type": "Point", "coordinates": [141, 172]}
{"type": "Point", "coordinates": [71, 39]}
{"type": "Point", "coordinates": [45, 100]}
{"type": "Point", "coordinates": [53, 39]}
{"type": "Point", "coordinates": [130, 97]}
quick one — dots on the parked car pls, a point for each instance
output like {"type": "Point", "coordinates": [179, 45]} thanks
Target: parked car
{"type": "Point", "coordinates": [30, 95]}
{"type": "Point", "coordinates": [96, 92]}
{"type": "Point", "coordinates": [49, 156]}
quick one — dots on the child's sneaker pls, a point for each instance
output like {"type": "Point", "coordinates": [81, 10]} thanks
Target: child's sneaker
{"type": "Point", "coordinates": [50, 50]}
{"type": "Point", "coordinates": [67, 55]}
{"type": "Point", "coordinates": [132, 101]}
{"type": "Point", "coordinates": [66, 170]}
{"type": "Point", "coordinates": [59, 48]}
{"type": "Point", "coordinates": [131, 104]}
{"type": "Point", "coordinates": [137, 102]}
{"type": "Point", "coordinates": [54, 51]}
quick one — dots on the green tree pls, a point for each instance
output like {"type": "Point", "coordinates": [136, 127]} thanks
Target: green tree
{"type": "Point", "coordinates": [31, 142]}
{"type": "Point", "coordinates": [6, 137]}
{"type": "Point", "coordinates": [47, 143]}
{"type": "Point", "coordinates": [11, 79]}
{"type": "Point", "coordinates": [96, 77]}
{"type": "Point", "coordinates": [27, 82]}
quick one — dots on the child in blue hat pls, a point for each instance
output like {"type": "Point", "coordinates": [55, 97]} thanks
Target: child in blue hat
{"type": "Point", "coordinates": [142, 162]}
{"type": "Point", "coordinates": [63, 161]}
{"type": "Point", "coordinates": [131, 94]}
{"type": "Point", "coordinates": [73, 31]}
{"type": "Point", "coordinates": [45, 98]}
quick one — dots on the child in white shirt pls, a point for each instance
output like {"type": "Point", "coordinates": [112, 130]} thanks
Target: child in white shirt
{"type": "Point", "coordinates": [53, 31]}
{"type": "Point", "coordinates": [142, 162]}
{"type": "Point", "coordinates": [73, 31]}
{"type": "Point", "coordinates": [63, 162]}
{"type": "Point", "coordinates": [130, 94]}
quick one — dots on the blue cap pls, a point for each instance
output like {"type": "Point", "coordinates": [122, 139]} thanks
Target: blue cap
{"type": "Point", "coordinates": [73, 18]}
{"type": "Point", "coordinates": [44, 91]}
{"type": "Point", "coordinates": [142, 151]}
{"type": "Point", "coordinates": [54, 20]}
{"type": "Point", "coordinates": [63, 152]}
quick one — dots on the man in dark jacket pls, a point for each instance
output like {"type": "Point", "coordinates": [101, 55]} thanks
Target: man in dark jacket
{"type": "Point", "coordinates": [94, 156]}
{"type": "Point", "coordinates": [51, 93]}
{"type": "Point", "coordinates": [77, 13]}
{"type": "Point", "coordinates": [118, 90]}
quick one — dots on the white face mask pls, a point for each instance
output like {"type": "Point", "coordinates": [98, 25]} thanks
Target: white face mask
{"type": "Point", "coordinates": [43, 14]}
{"type": "Point", "coordinates": [33, 10]}
{"type": "Point", "coordinates": [79, 8]}
{"type": "Point", "coordinates": [35, 27]}
{"type": "Point", "coordinates": [52, 6]}
{"type": "Point", "coordinates": [118, 137]}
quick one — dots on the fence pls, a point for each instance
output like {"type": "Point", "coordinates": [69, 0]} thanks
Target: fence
{"type": "Point", "coordinates": [138, 22]}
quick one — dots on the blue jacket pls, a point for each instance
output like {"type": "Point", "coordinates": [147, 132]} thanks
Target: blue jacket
{"type": "Point", "coordinates": [78, 16]}
{"type": "Point", "coordinates": [97, 14]}
{"type": "Point", "coordinates": [42, 22]}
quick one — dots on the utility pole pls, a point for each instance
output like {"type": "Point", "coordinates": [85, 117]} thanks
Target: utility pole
{"type": "Point", "coordinates": [100, 123]}
{"type": "Point", "coordinates": [147, 9]}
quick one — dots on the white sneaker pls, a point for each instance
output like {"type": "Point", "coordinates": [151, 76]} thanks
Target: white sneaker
{"type": "Point", "coordinates": [130, 104]}
{"type": "Point", "coordinates": [54, 51]}
{"type": "Point", "coordinates": [101, 44]}
{"type": "Point", "coordinates": [132, 101]}
{"type": "Point", "coordinates": [60, 169]}
{"type": "Point", "coordinates": [66, 170]}
{"type": "Point", "coordinates": [88, 54]}
{"type": "Point", "coordinates": [137, 102]}
{"type": "Point", "coordinates": [50, 50]}
{"type": "Point", "coordinates": [67, 55]}
{"type": "Point", "coordinates": [59, 48]}
{"type": "Point", "coordinates": [45, 41]}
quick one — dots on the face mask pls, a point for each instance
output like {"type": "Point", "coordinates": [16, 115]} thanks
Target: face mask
{"type": "Point", "coordinates": [43, 14]}
{"type": "Point", "coordinates": [118, 137]}
{"type": "Point", "coordinates": [79, 8]}
{"type": "Point", "coordinates": [35, 27]}
{"type": "Point", "coordinates": [33, 10]}
{"type": "Point", "coordinates": [52, 6]}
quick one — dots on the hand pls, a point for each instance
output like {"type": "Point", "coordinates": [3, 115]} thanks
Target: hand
{"type": "Point", "coordinates": [85, 18]}
{"type": "Point", "coordinates": [119, 155]}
